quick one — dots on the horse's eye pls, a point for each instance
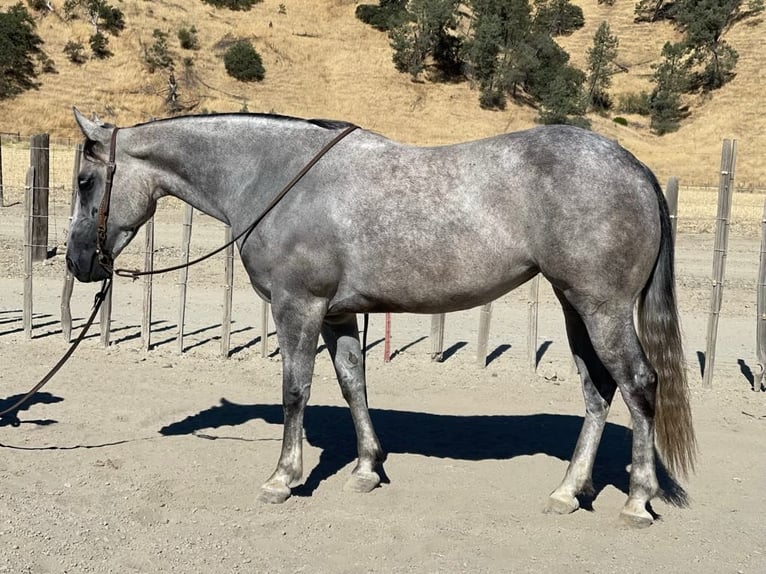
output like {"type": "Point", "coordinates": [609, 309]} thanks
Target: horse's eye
{"type": "Point", "coordinates": [84, 183]}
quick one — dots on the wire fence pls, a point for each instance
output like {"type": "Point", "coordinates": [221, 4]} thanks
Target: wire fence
{"type": "Point", "coordinates": [15, 161]}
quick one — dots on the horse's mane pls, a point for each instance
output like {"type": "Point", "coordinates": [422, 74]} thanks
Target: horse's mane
{"type": "Point", "coordinates": [319, 122]}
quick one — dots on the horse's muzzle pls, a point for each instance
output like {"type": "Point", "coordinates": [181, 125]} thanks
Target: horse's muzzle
{"type": "Point", "coordinates": [87, 268]}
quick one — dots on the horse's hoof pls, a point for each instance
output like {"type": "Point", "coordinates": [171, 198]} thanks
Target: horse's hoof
{"type": "Point", "coordinates": [633, 520]}
{"type": "Point", "coordinates": [362, 482]}
{"type": "Point", "coordinates": [274, 493]}
{"type": "Point", "coordinates": [556, 505]}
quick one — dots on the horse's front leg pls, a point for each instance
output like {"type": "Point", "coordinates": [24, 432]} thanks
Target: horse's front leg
{"type": "Point", "coordinates": [341, 335]}
{"type": "Point", "coordinates": [298, 322]}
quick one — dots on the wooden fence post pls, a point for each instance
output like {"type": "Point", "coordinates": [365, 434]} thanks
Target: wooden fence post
{"type": "Point", "coordinates": [2, 201]}
{"type": "Point", "coordinates": [265, 311]}
{"type": "Point", "coordinates": [185, 243]}
{"type": "Point", "coordinates": [760, 331]}
{"type": "Point", "coordinates": [485, 316]}
{"type": "Point", "coordinates": [671, 195]}
{"type": "Point", "coordinates": [437, 336]}
{"type": "Point", "coordinates": [28, 248]}
{"type": "Point", "coordinates": [228, 292]}
{"type": "Point", "coordinates": [534, 302]}
{"type": "Point", "coordinates": [146, 317]}
{"type": "Point", "coordinates": [66, 293]}
{"type": "Point", "coordinates": [39, 158]}
{"type": "Point", "coordinates": [726, 187]}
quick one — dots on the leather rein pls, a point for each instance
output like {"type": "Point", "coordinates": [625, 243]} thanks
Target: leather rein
{"type": "Point", "coordinates": [106, 260]}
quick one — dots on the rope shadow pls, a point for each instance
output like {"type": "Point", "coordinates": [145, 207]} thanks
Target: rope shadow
{"type": "Point", "coordinates": [403, 348]}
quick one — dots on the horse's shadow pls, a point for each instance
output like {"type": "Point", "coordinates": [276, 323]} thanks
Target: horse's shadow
{"type": "Point", "coordinates": [463, 437]}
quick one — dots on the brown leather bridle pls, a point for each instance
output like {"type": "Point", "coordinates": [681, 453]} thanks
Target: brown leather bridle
{"type": "Point", "coordinates": [105, 257]}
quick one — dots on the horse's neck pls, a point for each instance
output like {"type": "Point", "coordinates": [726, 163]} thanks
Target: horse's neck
{"type": "Point", "coordinates": [223, 180]}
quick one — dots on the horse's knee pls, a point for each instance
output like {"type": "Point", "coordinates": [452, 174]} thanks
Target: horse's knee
{"type": "Point", "coordinates": [295, 394]}
{"type": "Point", "coordinates": [350, 376]}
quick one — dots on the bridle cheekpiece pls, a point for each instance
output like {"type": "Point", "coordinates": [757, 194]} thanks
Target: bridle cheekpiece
{"type": "Point", "coordinates": [104, 256]}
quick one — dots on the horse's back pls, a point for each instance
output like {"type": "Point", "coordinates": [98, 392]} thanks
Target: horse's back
{"type": "Point", "coordinates": [424, 229]}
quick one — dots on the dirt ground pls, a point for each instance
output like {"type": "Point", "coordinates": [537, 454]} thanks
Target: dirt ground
{"type": "Point", "coordinates": [134, 461]}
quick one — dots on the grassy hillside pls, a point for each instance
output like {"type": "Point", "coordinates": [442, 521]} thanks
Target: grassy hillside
{"type": "Point", "coordinates": [322, 62]}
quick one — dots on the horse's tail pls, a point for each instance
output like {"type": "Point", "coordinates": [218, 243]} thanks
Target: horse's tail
{"type": "Point", "coordinates": [661, 338]}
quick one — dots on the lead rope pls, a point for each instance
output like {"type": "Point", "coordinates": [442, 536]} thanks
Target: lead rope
{"type": "Point", "coordinates": [135, 273]}
{"type": "Point", "coordinates": [9, 416]}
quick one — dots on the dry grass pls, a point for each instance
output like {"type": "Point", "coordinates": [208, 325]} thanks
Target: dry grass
{"type": "Point", "coordinates": [697, 209]}
{"type": "Point", "coordinates": [322, 62]}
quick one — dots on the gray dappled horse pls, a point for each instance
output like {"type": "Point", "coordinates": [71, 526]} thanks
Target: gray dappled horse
{"type": "Point", "coordinates": [380, 226]}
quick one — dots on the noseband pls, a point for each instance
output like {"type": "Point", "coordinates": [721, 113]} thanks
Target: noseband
{"type": "Point", "coordinates": [104, 256]}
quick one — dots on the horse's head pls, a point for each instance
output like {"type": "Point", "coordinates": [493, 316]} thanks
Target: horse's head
{"type": "Point", "coordinates": [125, 209]}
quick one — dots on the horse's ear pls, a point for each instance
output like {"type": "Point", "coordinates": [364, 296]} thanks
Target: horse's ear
{"type": "Point", "coordinates": [96, 133]}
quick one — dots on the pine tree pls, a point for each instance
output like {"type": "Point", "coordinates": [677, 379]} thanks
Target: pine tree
{"type": "Point", "coordinates": [425, 34]}
{"type": "Point", "coordinates": [704, 23]}
{"type": "Point", "coordinates": [671, 78]}
{"type": "Point", "coordinates": [601, 67]}
{"type": "Point", "coordinates": [19, 46]}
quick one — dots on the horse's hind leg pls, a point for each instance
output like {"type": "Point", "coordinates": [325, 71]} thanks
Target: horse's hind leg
{"type": "Point", "coordinates": [598, 390]}
{"type": "Point", "coordinates": [341, 335]}
{"type": "Point", "coordinates": [298, 322]}
{"type": "Point", "coordinates": [613, 335]}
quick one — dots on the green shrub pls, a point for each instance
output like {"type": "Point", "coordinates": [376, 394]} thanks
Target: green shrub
{"type": "Point", "coordinates": [492, 99]}
{"type": "Point", "coordinates": [384, 16]}
{"type": "Point", "coordinates": [75, 52]}
{"type": "Point", "coordinates": [156, 55]}
{"type": "Point", "coordinates": [242, 5]}
{"type": "Point", "coordinates": [187, 37]}
{"type": "Point", "coordinates": [99, 45]}
{"type": "Point", "coordinates": [47, 65]}
{"type": "Point", "coordinates": [243, 62]}
{"type": "Point", "coordinates": [38, 5]}
{"type": "Point", "coordinates": [620, 121]}
{"type": "Point", "coordinates": [634, 103]}
{"type": "Point", "coordinates": [558, 17]}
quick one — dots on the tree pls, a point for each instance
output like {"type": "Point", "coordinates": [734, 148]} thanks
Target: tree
{"type": "Point", "coordinates": [704, 23]}
{"type": "Point", "coordinates": [75, 52]}
{"type": "Point", "coordinates": [156, 55]}
{"type": "Point", "coordinates": [499, 55]}
{"type": "Point", "coordinates": [99, 45]}
{"type": "Point", "coordinates": [242, 5]}
{"type": "Point", "coordinates": [426, 33]}
{"type": "Point", "coordinates": [558, 17]}
{"type": "Point", "coordinates": [243, 62]}
{"type": "Point", "coordinates": [561, 101]}
{"type": "Point", "coordinates": [99, 13]}
{"type": "Point", "coordinates": [384, 16]}
{"type": "Point", "coordinates": [601, 67]}
{"type": "Point", "coordinates": [653, 10]}
{"type": "Point", "coordinates": [555, 83]}
{"type": "Point", "coordinates": [103, 17]}
{"type": "Point", "coordinates": [188, 39]}
{"type": "Point", "coordinates": [671, 79]}
{"type": "Point", "coordinates": [19, 47]}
